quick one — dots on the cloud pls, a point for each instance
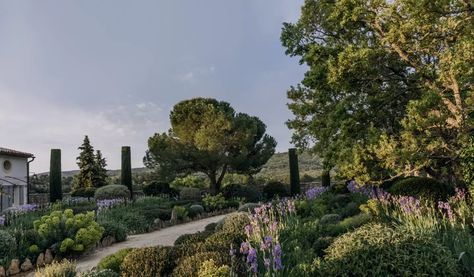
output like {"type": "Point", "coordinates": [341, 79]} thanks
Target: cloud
{"type": "Point", "coordinates": [33, 125]}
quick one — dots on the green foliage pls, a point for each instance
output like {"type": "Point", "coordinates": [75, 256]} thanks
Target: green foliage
{"type": "Point", "coordinates": [126, 172]}
{"type": "Point", "coordinates": [210, 269]}
{"type": "Point", "coordinates": [248, 207]}
{"type": "Point", "coordinates": [294, 172]}
{"type": "Point", "coordinates": [88, 192]}
{"type": "Point", "coordinates": [156, 188]}
{"type": "Point", "coordinates": [190, 194]}
{"type": "Point", "coordinates": [247, 192]}
{"type": "Point", "coordinates": [211, 227]}
{"type": "Point", "coordinates": [92, 169]}
{"type": "Point", "coordinates": [180, 212]}
{"type": "Point", "coordinates": [138, 216]}
{"type": "Point", "coordinates": [190, 181]}
{"type": "Point", "coordinates": [235, 223]}
{"type": "Point", "coordinates": [326, 178]}
{"type": "Point", "coordinates": [101, 273]}
{"type": "Point", "coordinates": [113, 261]}
{"type": "Point", "coordinates": [330, 219]}
{"type": "Point", "coordinates": [387, 103]}
{"type": "Point", "coordinates": [68, 233]}
{"type": "Point", "coordinates": [425, 188]}
{"type": "Point", "coordinates": [55, 185]}
{"type": "Point", "coordinates": [64, 268]}
{"type": "Point", "coordinates": [114, 229]}
{"type": "Point", "coordinates": [196, 209]}
{"type": "Point", "coordinates": [339, 188]}
{"type": "Point", "coordinates": [112, 192]}
{"type": "Point", "coordinates": [7, 247]}
{"type": "Point", "coordinates": [386, 252]}
{"type": "Point", "coordinates": [213, 202]}
{"type": "Point", "coordinates": [149, 261]}
{"type": "Point", "coordinates": [208, 136]}
{"type": "Point", "coordinates": [274, 188]}
{"type": "Point", "coordinates": [189, 266]}
{"type": "Point", "coordinates": [467, 163]}
{"type": "Point", "coordinates": [193, 238]}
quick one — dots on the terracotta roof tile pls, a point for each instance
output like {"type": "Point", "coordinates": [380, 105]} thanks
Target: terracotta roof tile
{"type": "Point", "coordinates": [14, 153]}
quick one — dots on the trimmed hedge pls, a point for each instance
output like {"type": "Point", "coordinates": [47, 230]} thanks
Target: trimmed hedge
{"type": "Point", "coordinates": [149, 261]}
{"type": "Point", "coordinates": [189, 266]}
{"type": "Point", "coordinates": [113, 261]}
{"type": "Point", "coordinates": [156, 188]}
{"type": "Point", "coordinates": [378, 250]}
{"type": "Point", "coordinates": [112, 192]}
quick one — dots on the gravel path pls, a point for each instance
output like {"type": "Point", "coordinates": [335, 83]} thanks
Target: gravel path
{"type": "Point", "coordinates": [165, 237]}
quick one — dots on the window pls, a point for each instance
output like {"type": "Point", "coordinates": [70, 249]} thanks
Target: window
{"type": "Point", "coordinates": [7, 165]}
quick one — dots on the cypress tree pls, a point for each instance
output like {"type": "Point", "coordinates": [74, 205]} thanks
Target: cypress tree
{"type": "Point", "coordinates": [85, 161]}
{"type": "Point", "coordinates": [326, 178]}
{"type": "Point", "coordinates": [294, 172]}
{"type": "Point", "coordinates": [126, 174]}
{"type": "Point", "coordinates": [55, 189]}
{"type": "Point", "coordinates": [100, 177]}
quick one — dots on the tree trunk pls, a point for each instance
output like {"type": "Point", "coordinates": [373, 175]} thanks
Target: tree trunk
{"type": "Point", "coordinates": [216, 181]}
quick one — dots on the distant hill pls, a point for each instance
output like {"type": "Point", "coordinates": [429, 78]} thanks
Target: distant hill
{"type": "Point", "coordinates": [111, 173]}
{"type": "Point", "coordinates": [277, 168]}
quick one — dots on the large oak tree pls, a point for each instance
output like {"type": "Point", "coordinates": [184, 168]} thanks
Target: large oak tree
{"type": "Point", "coordinates": [389, 90]}
{"type": "Point", "coordinates": [208, 136]}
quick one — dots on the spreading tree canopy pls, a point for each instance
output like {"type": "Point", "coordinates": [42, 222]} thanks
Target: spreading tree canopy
{"type": "Point", "coordinates": [208, 136]}
{"type": "Point", "coordinates": [389, 88]}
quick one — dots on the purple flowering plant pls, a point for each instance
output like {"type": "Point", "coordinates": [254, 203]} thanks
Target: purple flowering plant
{"type": "Point", "coordinates": [262, 247]}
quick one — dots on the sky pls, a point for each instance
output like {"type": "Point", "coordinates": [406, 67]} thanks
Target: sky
{"type": "Point", "coordinates": [113, 70]}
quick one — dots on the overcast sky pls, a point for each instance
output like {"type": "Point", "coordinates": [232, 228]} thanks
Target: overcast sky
{"type": "Point", "coordinates": [114, 69]}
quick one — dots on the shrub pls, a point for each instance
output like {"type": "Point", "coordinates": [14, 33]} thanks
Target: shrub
{"type": "Point", "coordinates": [180, 212]}
{"type": "Point", "coordinates": [190, 181]}
{"type": "Point", "coordinates": [83, 192]}
{"type": "Point", "coordinates": [248, 207]}
{"type": "Point", "coordinates": [339, 188]}
{"type": "Point", "coordinates": [113, 261]}
{"type": "Point", "coordinates": [58, 269]}
{"type": "Point", "coordinates": [114, 229]}
{"type": "Point", "coordinates": [157, 188]}
{"type": "Point", "coordinates": [249, 193]}
{"type": "Point", "coordinates": [112, 192]}
{"type": "Point", "coordinates": [193, 238]}
{"type": "Point", "coordinates": [189, 266]}
{"type": "Point", "coordinates": [149, 261]}
{"type": "Point", "coordinates": [330, 219]}
{"type": "Point", "coordinates": [7, 247]}
{"type": "Point", "coordinates": [232, 204]}
{"type": "Point", "coordinates": [152, 213]}
{"type": "Point", "coordinates": [377, 250]}
{"type": "Point", "coordinates": [101, 273]}
{"type": "Point", "coordinates": [425, 188]}
{"type": "Point", "coordinates": [68, 233]}
{"type": "Point", "coordinates": [196, 209]}
{"type": "Point", "coordinates": [210, 227]}
{"type": "Point", "coordinates": [235, 223]}
{"type": "Point", "coordinates": [190, 194]}
{"type": "Point", "coordinates": [214, 202]}
{"type": "Point", "coordinates": [275, 188]}
{"type": "Point", "coordinates": [210, 269]}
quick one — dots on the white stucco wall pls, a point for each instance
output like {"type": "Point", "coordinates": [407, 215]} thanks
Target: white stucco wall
{"type": "Point", "coordinates": [18, 171]}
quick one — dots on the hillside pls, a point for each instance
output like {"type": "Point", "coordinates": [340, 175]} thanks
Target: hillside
{"type": "Point", "coordinates": [277, 168]}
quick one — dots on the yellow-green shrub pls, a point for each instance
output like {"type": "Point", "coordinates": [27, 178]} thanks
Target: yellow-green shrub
{"type": "Point", "coordinates": [149, 261]}
{"type": "Point", "coordinates": [114, 261]}
{"type": "Point", "coordinates": [67, 232]}
{"type": "Point", "coordinates": [210, 269]}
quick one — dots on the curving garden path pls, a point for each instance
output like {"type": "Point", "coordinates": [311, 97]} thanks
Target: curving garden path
{"type": "Point", "coordinates": [165, 237]}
